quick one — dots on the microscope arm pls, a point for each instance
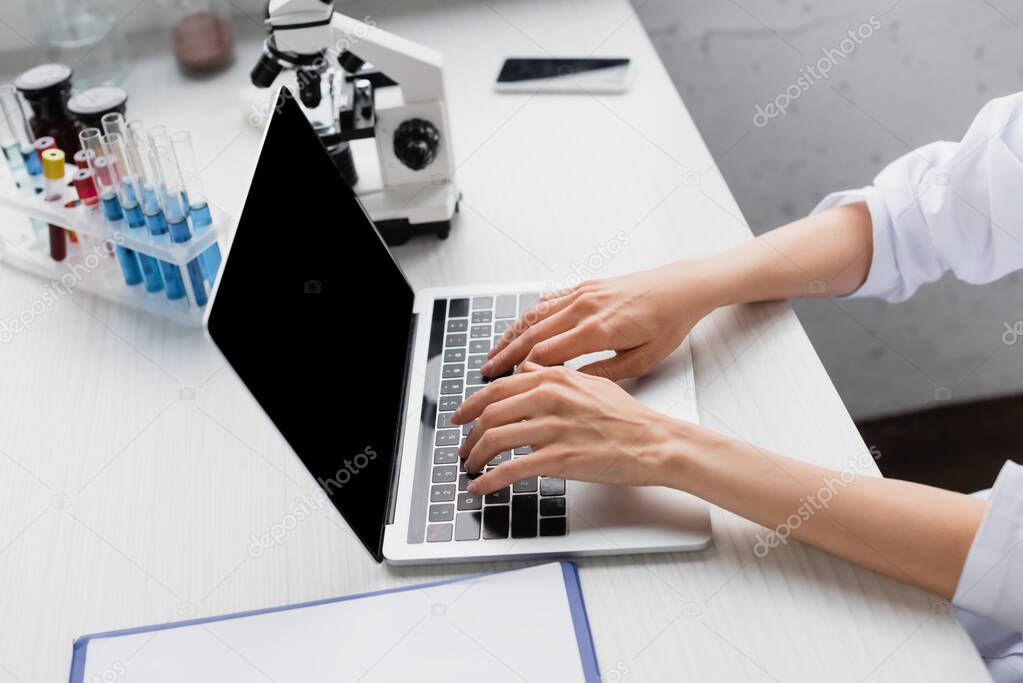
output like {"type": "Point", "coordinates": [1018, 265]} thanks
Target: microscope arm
{"type": "Point", "coordinates": [416, 68]}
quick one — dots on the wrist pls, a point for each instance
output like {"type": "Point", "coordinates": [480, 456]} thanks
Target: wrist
{"type": "Point", "coordinates": [682, 448]}
{"type": "Point", "coordinates": [702, 284]}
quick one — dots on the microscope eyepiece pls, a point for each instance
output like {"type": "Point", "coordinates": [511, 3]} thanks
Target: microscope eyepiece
{"type": "Point", "coordinates": [266, 70]}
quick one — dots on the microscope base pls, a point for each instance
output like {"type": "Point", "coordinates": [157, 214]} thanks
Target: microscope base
{"type": "Point", "coordinates": [400, 231]}
{"type": "Point", "coordinates": [406, 211]}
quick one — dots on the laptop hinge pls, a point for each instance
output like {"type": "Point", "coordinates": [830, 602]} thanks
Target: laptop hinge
{"type": "Point", "coordinates": [392, 492]}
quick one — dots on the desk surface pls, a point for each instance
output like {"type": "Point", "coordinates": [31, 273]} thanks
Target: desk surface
{"type": "Point", "coordinates": [135, 471]}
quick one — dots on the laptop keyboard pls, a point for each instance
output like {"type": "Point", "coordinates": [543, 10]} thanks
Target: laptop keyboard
{"type": "Point", "coordinates": [532, 507]}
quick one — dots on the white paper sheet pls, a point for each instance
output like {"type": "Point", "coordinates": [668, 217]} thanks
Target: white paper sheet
{"type": "Point", "coordinates": [509, 626]}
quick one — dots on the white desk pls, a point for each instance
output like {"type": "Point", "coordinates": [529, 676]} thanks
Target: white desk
{"type": "Point", "coordinates": [134, 468]}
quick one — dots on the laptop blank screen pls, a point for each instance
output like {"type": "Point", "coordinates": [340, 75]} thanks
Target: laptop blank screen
{"type": "Point", "coordinates": [314, 316]}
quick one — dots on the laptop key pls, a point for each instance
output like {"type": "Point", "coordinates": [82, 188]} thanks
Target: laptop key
{"type": "Point", "coordinates": [501, 326]}
{"type": "Point", "coordinates": [444, 421]}
{"type": "Point", "coordinates": [455, 340]}
{"type": "Point", "coordinates": [469, 391]}
{"type": "Point", "coordinates": [438, 533]}
{"type": "Point", "coordinates": [482, 302]}
{"type": "Point", "coordinates": [473, 377]}
{"type": "Point", "coordinates": [499, 497]}
{"type": "Point", "coordinates": [442, 493]}
{"type": "Point", "coordinates": [445, 474]}
{"type": "Point", "coordinates": [449, 402]}
{"type": "Point", "coordinates": [464, 479]}
{"type": "Point", "coordinates": [467, 526]}
{"type": "Point", "coordinates": [523, 450]}
{"type": "Point", "coordinates": [453, 371]}
{"type": "Point", "coordinates": [476, 362]}
{"type": "Point", "coordinates": [447, 437]}
{"type": "Point", "coordinates": [523, 521]}
{"type": "Point", "coordinates": [552, 507]}
{"type": "Point", "coordinates": [470, 501]}
{"type": "Point", "coordinates": [443, 512]}
{"type": "Point", "coordinates": [506, 306]}
{"type": "Point", "coordinates": [454, 355]}
{"type": "Point", "coordinates": [479, 317]}
{"type": "Point", "coordinates": [552, 486]}
{"type": "Point", "coordinates": [479, 346]}
{"type": "Point", "coordinates": [527, 301]}
{"type": "Point", "coordinates": [525, 486]}
{"type": "Point", "coordinates": [480, 331]}
{"type": "Point", "coordinates": [458, 325]}
{"type": "Point", "coordinates": [458, 308]}
{"type": "Point", "coordinates": [499, 458]}
{"type": "Point", "coordinates": [553, 526]}
{"type": "Point", "coordinates": [445, 456]}
{"type": "Point", "coordinates": [451, 386]}
{"type": "Point", "coordinates": [495, 521]}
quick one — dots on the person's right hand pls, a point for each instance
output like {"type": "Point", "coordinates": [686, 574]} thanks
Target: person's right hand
{"type": "Point", "coordinates": [642, 317]}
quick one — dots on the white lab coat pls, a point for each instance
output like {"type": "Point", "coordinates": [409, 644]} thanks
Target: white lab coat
{"type": "Point", "coordinates": [959, 206]}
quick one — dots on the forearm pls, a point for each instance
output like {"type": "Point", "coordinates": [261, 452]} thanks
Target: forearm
{"type": "Point", "coordinates": [823, 255]}
{"type": "Point", "coordinates": [914, 533]}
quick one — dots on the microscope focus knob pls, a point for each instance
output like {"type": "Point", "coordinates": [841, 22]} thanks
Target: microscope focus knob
{"type": "Point", "coordinates": [416, 142]}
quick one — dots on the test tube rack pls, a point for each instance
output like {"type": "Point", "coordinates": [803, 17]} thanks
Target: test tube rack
{"type": "Point", "coordinates": [90, 265]}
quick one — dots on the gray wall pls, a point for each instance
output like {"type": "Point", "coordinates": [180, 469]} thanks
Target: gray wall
{"type": "Point", "coordinates": [920, 77]}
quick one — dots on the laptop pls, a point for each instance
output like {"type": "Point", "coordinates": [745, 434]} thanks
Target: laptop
{"type": "Point", "coordinates": [360, 374]}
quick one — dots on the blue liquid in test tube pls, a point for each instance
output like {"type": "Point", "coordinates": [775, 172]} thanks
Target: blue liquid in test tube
{"type": "Point", "coordinates": [177, 224]}
{"type": "Point", "coordinates": [123, 174]}
{"type": "Point", "coordinates": [30, 158]}
{"type": "Point", "coordinates": [147, 174]}
{"type": "Point", "coordinates": [126, 258]}
{"type": "Point", "coordinates": [157, 226]}
{"type": "Point", "coordinates": [201, 220]}
{"type": "Point", "coordinates": [195, 199]}
{"type": "Point", "coordinates": [175, 207]}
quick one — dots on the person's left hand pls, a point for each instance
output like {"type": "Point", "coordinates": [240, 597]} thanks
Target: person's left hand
{"type": "Point", "coordinates": [579, 426]}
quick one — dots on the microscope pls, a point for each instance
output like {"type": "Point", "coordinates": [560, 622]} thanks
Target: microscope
{"type": "Point", "coordinates": [356, 81]}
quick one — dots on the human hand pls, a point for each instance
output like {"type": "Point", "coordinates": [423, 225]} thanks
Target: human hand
{"type": "Point", "coordinates": [579, 426]}
{"type": "Point", "coordinates": [643, 317]}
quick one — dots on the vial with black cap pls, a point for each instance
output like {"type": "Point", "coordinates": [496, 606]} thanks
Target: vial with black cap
{"type": "Point", "coordinates": [47, 88]}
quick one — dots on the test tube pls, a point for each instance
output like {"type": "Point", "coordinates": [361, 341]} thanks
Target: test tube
{"type": "Point", "coordinates": [106, 184]}
{"type": "Point", "coordinates": [198, 206]}
{"type": "Point", "coordinates": [175, 206]}
{"type": "Point", "coordinates": [114, 149]}
{"type": "Point", "coordinates": [85, 186]}
{"type": "Point", "coordinates": [53, 172]}
{"type": "Point", "coordinates": [10, 102]}
{"type": "Point", "coordinates": [81, 158]}
{"type": "Point", "coordinates": [148, 181]}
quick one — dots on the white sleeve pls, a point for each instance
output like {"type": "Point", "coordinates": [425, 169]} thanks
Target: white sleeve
{"type": "Point", "coordinates": [991, 585]}
{"type": "Point", "coordinates": [948, 206]}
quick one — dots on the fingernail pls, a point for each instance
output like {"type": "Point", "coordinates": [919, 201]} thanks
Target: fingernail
{"type": "Point", "coordinates": [487, 367]}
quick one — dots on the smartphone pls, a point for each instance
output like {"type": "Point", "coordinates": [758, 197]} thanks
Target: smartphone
{"type": "Point", "coordinates": [564, 75]}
